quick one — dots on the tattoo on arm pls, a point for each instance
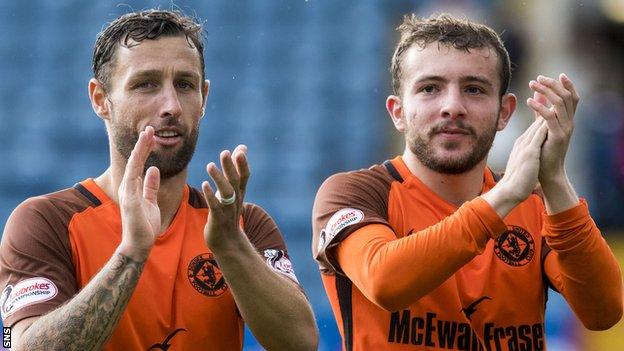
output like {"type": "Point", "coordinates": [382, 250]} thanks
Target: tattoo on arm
{"type": "Point", "coordinates": [87, 321]}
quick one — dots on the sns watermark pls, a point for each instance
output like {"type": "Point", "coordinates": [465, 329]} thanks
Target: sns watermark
{"type": "Point", "coordinates": [6, 337]}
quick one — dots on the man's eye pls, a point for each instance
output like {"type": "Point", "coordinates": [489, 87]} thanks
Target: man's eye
{"type": "Point", "coordinates": [429, 89]}
{"type": "Point", "coordinates": [474, 90]}
{"type": "Point", "coordinates": [144, 85]}
{"type": "Point", "coordinates": [185, 85]}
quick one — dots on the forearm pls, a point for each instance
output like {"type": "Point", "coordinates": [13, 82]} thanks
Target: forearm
{"type": "Point", "coordinates": [87, 321]}
{"type": "Point", "coordinates": [585, 270]}
{"type": "Point", "coordinates": [268, 302]}
{"type": "Point", "coordinates": [372, 257]}
{"type": "Point", "coordinates": [559, 195]}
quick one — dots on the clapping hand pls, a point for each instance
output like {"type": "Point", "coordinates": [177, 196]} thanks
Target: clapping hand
{"type": "Point", "coordinates": [226, 203]}
{"type": "Point", "coordinates": [138, 200]}
{"type": "Point", "coordinates": [555, 101]}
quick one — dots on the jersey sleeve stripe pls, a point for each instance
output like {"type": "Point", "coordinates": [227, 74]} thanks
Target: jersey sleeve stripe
{"type": "Point", "coordinates": [344, 288]}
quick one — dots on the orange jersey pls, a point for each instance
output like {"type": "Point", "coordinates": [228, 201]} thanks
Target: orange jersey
{"type": "Point", "coordinates": [55, 244]}
{"type": "Point", "coordinates": [492, 297]}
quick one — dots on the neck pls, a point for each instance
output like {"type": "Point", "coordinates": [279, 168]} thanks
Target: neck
{"type": "Point", "coordinates": [170, 192]}
{"type": "Point", "coordinates": [454, 188]}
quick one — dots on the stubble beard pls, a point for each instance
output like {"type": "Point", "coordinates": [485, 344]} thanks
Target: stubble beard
{"type": "Point", "coordinates": [425, 151]}
{"type": "Point", "coordinates": [170, 163]}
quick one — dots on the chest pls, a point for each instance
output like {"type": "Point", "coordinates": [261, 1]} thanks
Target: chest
{"type": "Point", "coordinates": [506, 278]}
{"type": "Point", "coordinates": [181, 285]}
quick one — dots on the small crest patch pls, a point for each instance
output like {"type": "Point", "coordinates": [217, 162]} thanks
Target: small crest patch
{"type": "Point", "coordinates": [515, 246]}
{"type": "Point", "coordinates": [205, 275]}
{"type": "Point", "coordinates": [279, 261]}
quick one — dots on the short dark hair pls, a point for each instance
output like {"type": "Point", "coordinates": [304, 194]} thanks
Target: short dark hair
{"type": "Point", "coordinates": [138, 26]}
{"type": "Point", "coordinates": [461, 34]}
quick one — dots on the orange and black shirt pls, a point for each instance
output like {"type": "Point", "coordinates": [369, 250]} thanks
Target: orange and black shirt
{"type": "Point", "coordinates": [53, 245]}
{"type": "Point", "coordinates": [406, 270]}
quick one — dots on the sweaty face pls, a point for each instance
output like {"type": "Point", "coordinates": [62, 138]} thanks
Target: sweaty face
{"type": "Point", "coordinates": [157, 83]}
{"type": "Point", "coordinates": [451, 106]}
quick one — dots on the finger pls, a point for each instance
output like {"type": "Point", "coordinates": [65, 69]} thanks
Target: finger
{"type": "Point", "coordinates": [553, 98]}
{"type": "Point", "coordinates": [559, 97]}
{"type": "Point", "coordinates": [524, 140]}
{"type": "Point", "coordinates": [242, 166]}
{"type": "Point", "coordinates": [210, 197]}
{"type": "Point", "coordinates": [223, 185]}
{"type": "Point", "coordinates": [540, 136]}
{"type": "Point", "coordinates": [558, 88]}
{"type": "Point", "coordinates": [548, 115]}
{"type": "Point", "coordinates": [229, 170]}
{"type": "Point", "coordinates": [528, 133]}
{"type": "Point", "coordinates": [138, 156]}
{"type": "Point", "coordinates": [151, 184]}
{"type": "Point", "coordinates": [540, 98]}
{"type": "Point", "coordinates": [567, 83]}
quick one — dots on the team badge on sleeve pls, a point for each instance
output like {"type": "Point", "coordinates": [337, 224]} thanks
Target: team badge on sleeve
{"type": "Point", "coordinates": [26, 292]}
{"type": "Point", "coordinates": [339, 221]}
{"type": "Point", "coordinates": [278, 261]}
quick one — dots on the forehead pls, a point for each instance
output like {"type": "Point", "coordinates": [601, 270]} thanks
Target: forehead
{"type": "Point", "coordinates": [165, 53]}
{"type": "Point", "coordinates": [447, 62]}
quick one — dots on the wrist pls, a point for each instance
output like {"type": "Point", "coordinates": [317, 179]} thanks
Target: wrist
{"type": "Point", "coordinates": [230, 242]}
{"type": "Point", "coordinates": [559, 195]}
{"type": "Point", "coordinates": [134, 252]}
{"type": "Point", "coordinates": [502, 199]}
{"type": "Point", "coordinates": [554, 180]}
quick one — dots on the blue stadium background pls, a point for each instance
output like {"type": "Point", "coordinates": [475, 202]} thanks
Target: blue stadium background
{"type": "Point", "coordinates": [302, 83]}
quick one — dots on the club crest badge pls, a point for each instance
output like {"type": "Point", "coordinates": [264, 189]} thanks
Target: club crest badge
{"type": "Point", "coordinates": [205, 275]}
{"type": "Point", "coordinates": [515, 246]}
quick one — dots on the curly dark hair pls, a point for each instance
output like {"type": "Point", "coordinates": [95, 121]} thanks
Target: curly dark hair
{"type": "Point", "coordinates": [132, 28]}
{"type": "Point", "coordinates": [460, 34]}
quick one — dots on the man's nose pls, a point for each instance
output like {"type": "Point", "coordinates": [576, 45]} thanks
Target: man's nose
{"type": "Point", "coordinates": [170, 106]}
{"type": "Point", "coordinates": [453, 105]}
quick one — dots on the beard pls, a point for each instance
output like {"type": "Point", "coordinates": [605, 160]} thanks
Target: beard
{"type": "Point", "coordinates": [169, 162]}
{"type": "Point", "coordinates": [425, 150]}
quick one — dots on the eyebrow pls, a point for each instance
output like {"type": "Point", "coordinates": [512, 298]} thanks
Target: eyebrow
{"type": "Point", "coordinates": [430, 78]}
{"type": "Point", "coordinates": [478, 79]}
{"type": "Point", "coordinates": [156, 73]}
{"type": "Point", "coordinates": [464, 79]}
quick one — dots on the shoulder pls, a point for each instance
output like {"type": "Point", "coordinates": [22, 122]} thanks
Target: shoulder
{"type": "Point", "coordinates": [251, 211]}
{"type": "Point", "coordinates": [36, 248]}
{"type": "Point", "coordinates": [362, 187]}
{"type": "Point", "coordinates": [346, 202]}
{"type": "Point", "coordinates": [377, 176]}
{"type": "Point", "coordinates": [50, 209]}
{"type": "Point", "coordinates": [260, 228]}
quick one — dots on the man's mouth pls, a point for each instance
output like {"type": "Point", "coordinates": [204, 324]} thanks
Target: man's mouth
{"type": "Point", "coordinates": [454, 131]}
{"type": "Point", "coordinates": [167, 137]}
{"type": "Point", "coordinates": [166, 134]}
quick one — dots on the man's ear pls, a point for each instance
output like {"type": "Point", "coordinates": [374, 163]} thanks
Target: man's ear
{"type": "Point", "coordinates": [97, 95]}
{"type": "Point", "coordinates": [394, 105]}
{"type": "Point", "coordinates": [205, 93]}
{"type": "Point", "coordinates": [508, 106]}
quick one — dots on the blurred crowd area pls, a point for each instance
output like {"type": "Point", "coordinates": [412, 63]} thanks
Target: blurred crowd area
{"type": "Point", "coordinates": [303, 84]}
